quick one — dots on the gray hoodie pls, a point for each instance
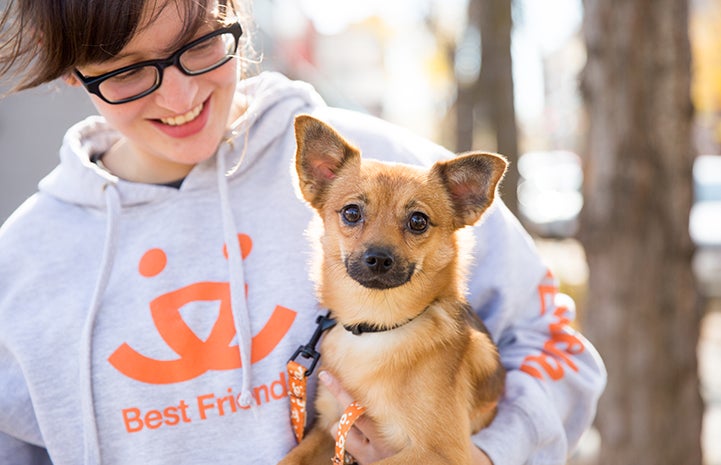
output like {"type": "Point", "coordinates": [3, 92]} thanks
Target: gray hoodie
{"type": "Point", "coordinates": [148, 324]}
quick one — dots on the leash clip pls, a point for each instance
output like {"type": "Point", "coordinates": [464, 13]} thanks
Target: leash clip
{"type": "Point", "coordinates": [298, 375]}
{"type": "Point", "coordinates": [308, 351]}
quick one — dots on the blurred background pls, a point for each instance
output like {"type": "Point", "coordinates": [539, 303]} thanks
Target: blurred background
{"type": "Point", "coordinates": [610, 111]}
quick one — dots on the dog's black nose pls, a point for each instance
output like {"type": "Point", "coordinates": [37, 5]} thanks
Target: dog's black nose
{"type": "Point", "coordinates": [378, 260]}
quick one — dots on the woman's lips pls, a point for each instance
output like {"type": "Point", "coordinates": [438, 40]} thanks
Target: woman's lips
{"type": "Point", "coordinates": [187, 124]}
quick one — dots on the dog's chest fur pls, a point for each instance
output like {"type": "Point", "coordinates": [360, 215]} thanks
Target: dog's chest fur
{"type": "Point", "coordinates": [386, 370]}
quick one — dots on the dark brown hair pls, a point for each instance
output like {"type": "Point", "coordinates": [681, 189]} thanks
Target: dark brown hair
{"type": "Point", "coordinates": [42, 40]}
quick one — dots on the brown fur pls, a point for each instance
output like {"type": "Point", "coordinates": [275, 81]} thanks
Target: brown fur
{"type": "Point", "coordinates": [431, 382]}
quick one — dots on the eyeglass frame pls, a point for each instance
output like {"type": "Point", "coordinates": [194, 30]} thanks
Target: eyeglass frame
{"type": "Point", "coordinates": [92, 83]}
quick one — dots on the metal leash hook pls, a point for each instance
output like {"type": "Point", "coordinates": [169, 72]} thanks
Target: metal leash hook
{"type": "Point", "coordinates": [308, 351]}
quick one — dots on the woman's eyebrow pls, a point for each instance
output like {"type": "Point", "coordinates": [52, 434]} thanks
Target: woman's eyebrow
{"type": "Point", "coordinates": [128, 56]}
{"type": "Point", "coordinates": [161, 53]}
{"type": "Point", "coordinates": [178, 44]}
{"type": "Point", "coordinates": [145, 55]}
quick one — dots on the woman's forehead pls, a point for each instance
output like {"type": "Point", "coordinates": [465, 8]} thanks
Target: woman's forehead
{"type": "Point", "coordinates": [163, 27]}
{"type": "Point", "coordinates": [173, 22]}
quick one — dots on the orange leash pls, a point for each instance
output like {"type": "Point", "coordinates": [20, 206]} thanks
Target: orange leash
{"type": "Point", "coordinates": [297, 381]}
{"type": "Point", "coordinates": [350, 415]}
{"type": "Point", "coordinates": [298, 375]}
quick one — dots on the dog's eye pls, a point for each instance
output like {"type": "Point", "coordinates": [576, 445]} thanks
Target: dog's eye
{"type": "Point", "coordinates": [418, 222]}
{"type": "Point", "coordinates": [351, 214]}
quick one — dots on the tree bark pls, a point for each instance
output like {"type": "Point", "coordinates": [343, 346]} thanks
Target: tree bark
{"type": "Point", "coordinates": [496, 80]}
{"type": "Point", "coordinates": [489, 100]}
{"type": "Point", "coordinates": [644, 311]}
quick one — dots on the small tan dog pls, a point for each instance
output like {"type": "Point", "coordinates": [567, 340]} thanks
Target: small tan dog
{"type": "Point", "coordinates": [406, 346]}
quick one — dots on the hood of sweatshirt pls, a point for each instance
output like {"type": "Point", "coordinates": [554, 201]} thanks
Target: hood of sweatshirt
{"type": "Point", "coordinates": [77, 180]}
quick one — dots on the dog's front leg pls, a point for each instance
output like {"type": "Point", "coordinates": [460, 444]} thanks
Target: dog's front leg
{"type": "Point", "coordinates": [316, 448]}
{"type": "Point", "coordinates": [444, 456]}
{"type": "Point", "coordinates": [444, 441]}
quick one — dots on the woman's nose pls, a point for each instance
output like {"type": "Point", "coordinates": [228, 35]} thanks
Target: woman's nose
{"type": "Point", "coordinates": [177, 92]}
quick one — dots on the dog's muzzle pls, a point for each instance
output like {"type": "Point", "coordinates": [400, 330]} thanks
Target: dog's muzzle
{"type": "Point", "coordinates": [379, 268]}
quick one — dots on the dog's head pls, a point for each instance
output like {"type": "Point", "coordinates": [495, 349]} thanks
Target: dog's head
{"type": "Point", "coordinates": [390, 227]}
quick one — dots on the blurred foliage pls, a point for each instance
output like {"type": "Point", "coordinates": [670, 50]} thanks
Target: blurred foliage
{"type": "Point", "coordinates": [705, 24]}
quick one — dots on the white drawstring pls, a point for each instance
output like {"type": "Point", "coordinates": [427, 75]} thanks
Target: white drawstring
{"type": "Point", "coordinates": [239, 305]}
{"type": "Point", "coordinates": [90, 427]}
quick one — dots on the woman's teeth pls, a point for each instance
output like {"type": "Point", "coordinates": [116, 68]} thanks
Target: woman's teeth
{"type": "Point", "coordinates": [182, 119]}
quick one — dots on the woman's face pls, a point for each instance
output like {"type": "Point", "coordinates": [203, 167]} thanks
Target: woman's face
{"type": "Point", "coordinates": [178, 125]}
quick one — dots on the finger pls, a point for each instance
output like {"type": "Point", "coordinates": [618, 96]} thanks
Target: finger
{"type": "Point", "coordinates": [356, 444]}
{"type": "Point", "coordinates": [335, 388]}
{"type": "Point", "coordinates": [365, 427]}
{"type": "Point", "coordinates": [359, 446]}
{"type": "Point", "coordinates": [362, 439]}
{"type": "Point", "coordinates": [356, 435]}
{"type": "Point", "coordinates": [331, 382]}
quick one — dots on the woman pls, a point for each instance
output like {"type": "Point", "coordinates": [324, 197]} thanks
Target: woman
{"type": "Point", "coordinates": [155, 286]}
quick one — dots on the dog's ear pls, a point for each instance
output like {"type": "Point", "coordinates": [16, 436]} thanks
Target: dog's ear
{"type": "Point", "coordinates": [471, 180]}
{"type": "Point", "coordinates": [320, 155]}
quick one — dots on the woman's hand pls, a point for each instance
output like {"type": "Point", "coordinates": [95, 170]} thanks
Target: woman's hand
{"type": "Point", "coordinates": [478, 457]}
{"type": "Point", "coordinates": [363, 441]}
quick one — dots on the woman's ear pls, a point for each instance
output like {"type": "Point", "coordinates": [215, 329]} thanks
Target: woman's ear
{"type": "Point", "coordinates": [71, 79]}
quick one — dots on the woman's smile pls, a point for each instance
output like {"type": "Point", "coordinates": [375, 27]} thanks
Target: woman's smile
{"type": "Point", "coordinates": [183, 119]}
{"type": "Point", "coordinates": [187, 124]}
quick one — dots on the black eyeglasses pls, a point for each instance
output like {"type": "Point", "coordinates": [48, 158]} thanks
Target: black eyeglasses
{"type": "Point", "coordinates": [132, 82]}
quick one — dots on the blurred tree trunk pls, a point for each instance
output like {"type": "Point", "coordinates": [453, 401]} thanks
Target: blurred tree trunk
{"type": "Point", "coordinates": [488, 101]}
{"type": "Point", "coordinates": [644, 311]}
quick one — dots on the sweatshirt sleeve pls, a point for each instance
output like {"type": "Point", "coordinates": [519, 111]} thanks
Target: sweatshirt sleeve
{"type": "Point", "coordinates": [21, 453]}
{"type": "Point", "coordinates": [554, 375]}
{"type": "Point", "coordinates": [20, 436]}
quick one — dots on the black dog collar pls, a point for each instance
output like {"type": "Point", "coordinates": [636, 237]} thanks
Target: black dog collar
{"type": "Point", "coordinates": [361, 328]}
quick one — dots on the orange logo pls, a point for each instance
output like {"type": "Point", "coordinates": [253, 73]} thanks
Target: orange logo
{"type": "Point", "coordinates": [195, 355]}
{"type": "Point", "coordinates": [563, 344]}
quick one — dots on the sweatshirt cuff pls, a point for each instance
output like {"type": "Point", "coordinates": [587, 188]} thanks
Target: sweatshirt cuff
{"type": "Point", "coordinates": [526, 429]}
{"type": "Point", "coordinates": [510, 439]}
